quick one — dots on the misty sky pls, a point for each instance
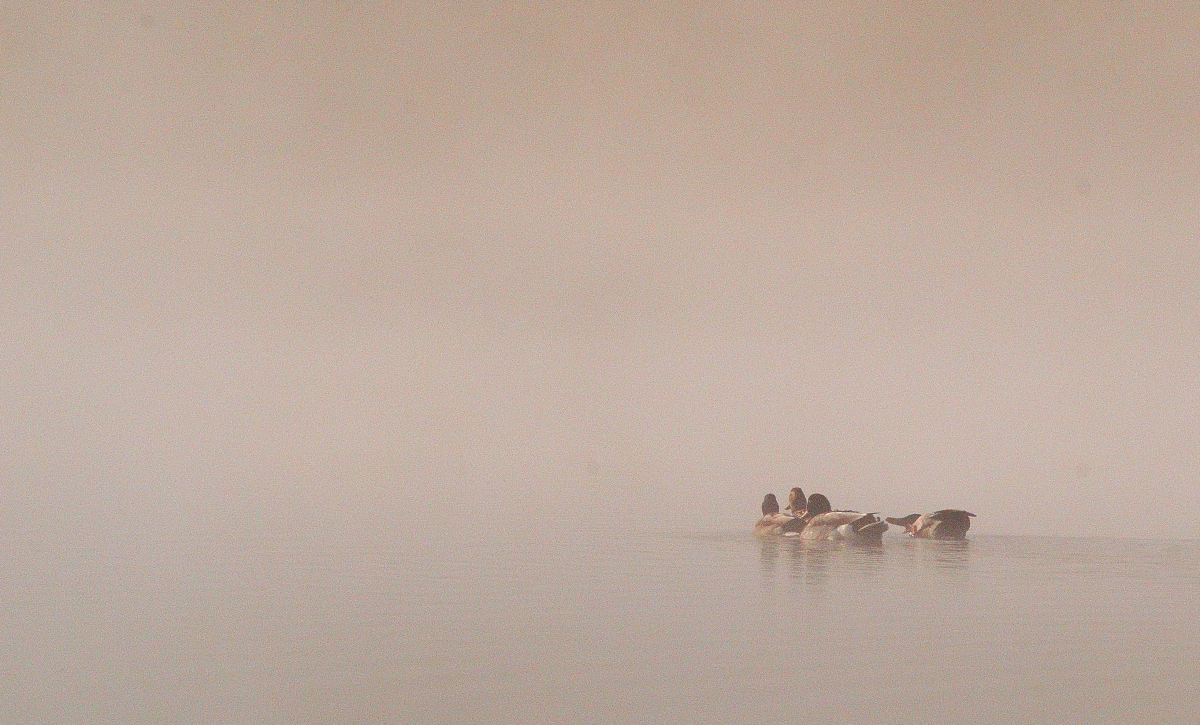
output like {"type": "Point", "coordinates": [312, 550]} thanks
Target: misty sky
{"type": "Point", "coordinates": [368, 262]}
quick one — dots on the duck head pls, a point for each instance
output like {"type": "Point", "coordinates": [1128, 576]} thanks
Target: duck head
{"type": "Point", "coordinates": [770, 505]}
{"type": "Point", "coordinates": [818, 504]}
{"type": "Point", "coordinates": [797, 503]}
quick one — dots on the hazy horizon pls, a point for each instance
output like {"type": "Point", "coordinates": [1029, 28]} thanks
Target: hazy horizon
{"type": "Point", "coordinates": [382, 264]}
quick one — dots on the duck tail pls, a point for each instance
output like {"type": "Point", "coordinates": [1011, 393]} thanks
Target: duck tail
{"type": "Point", "coordinates": [868, 526]}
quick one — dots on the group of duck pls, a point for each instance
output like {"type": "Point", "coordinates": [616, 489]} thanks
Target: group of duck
{"type": "Point", "coordinates": [814, 518]}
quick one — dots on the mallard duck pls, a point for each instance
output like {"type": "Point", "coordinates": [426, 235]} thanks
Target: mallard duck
{"type": "Point", "coordinates": [774, 523]}
{"type": "Point", "coordinates": [822, 523]}
{"type": "Point", "coordinates": [797, 503]}
{"type": "Point", "coordinates": [944, 524]}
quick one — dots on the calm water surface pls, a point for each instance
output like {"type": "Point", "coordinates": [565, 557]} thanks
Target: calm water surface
{"type": "Point", "coordinates": [606, 628]}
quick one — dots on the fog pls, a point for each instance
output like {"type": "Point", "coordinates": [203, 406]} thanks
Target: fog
{"type": "Point", "coordinates": [377, 267]}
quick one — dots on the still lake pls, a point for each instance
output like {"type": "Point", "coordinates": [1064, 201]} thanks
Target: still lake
{"type": "Point", "coordinates": [600, 627]}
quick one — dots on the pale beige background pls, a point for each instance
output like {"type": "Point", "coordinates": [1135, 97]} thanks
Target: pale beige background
{"type": "Point", "coordinates": [359, 264]}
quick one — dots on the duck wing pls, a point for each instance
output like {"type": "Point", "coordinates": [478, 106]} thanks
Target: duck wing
{"type": "Point", "coordinates": [865, 521]}
{"type": "Point", "coordinates": [956, 515]}
{"type": "Point", "coordinates": [834, 518]}
{"type": "Point", "coordinates": [873, 530]}
{"type": "Point", "coordinates": [774, 524]}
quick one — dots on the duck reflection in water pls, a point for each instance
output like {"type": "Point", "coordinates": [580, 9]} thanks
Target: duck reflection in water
{"type": "Point", "coordinates": [768, 557]}
{"type": "Point", "coordinates": [931, 554]}
{"type": "Point", "coordinates": [814, 563]}
{"type": "Point", "coordinates": [952, 554]}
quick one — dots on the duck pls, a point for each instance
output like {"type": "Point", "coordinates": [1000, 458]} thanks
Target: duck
{"type": "Point", "coordinates": [945, 524]}
{"type": "Point", "coordinates": [824, 524]}
{"type": "Point", "coordinates": [774, 523]}
{"type": "Point", "coordinates": [797, 503]}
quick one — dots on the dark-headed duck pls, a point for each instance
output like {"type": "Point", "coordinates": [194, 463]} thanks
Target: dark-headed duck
{"type": "Point", "coordinates": [774, 523]}
{"type": "Point", "coordinates": [824, 524]}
